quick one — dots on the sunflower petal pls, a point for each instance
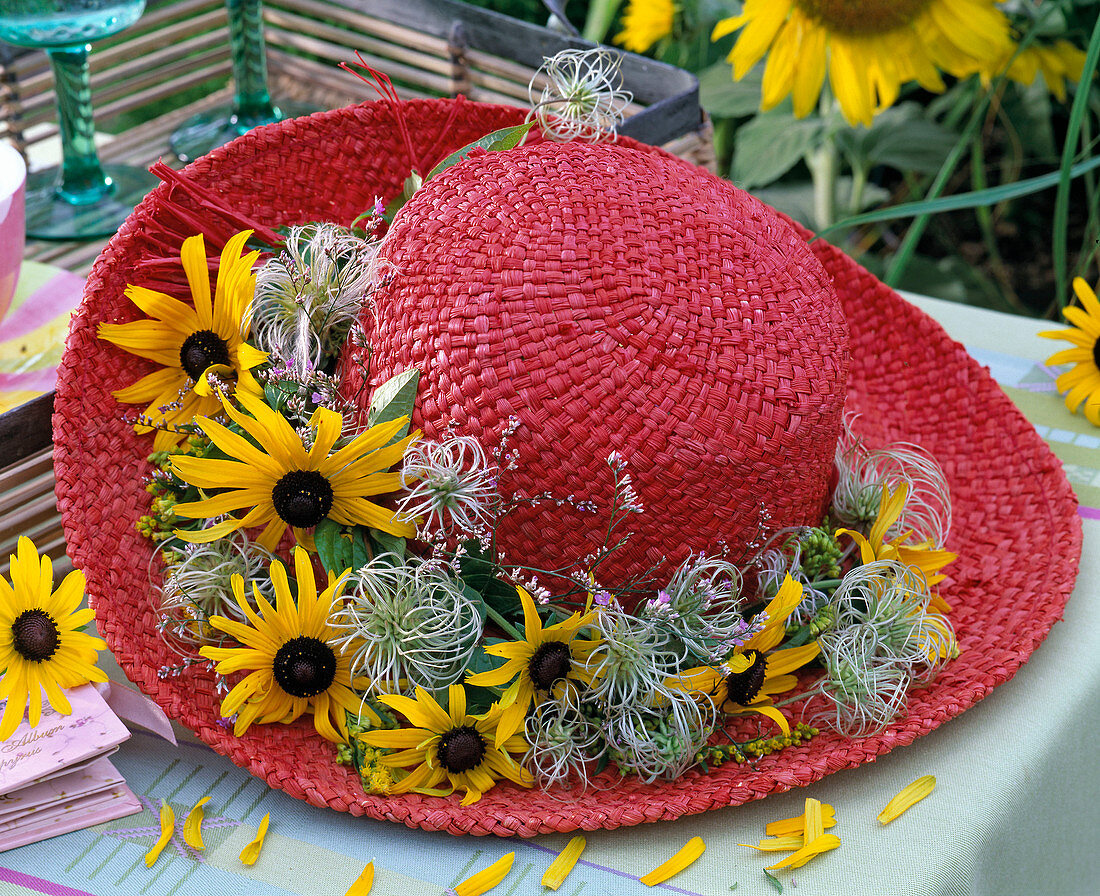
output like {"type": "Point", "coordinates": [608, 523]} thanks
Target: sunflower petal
{"type": "Point", "coordinates": [487, 878]}
{"type": "Point", "coordinates": [192, 827]}
{"type": "Point", "coordinates": [688, 853]}
{"type": "Point", "coordinates": [251, 853]}
{"type": "Point", "coordinates": [167, 830]}
{"type": "Point", "coordinates": [561, 866]}
{"type": "Point", "coordinates": [907, 798]}
{"type": "Point", "coordinates": [800, 857]}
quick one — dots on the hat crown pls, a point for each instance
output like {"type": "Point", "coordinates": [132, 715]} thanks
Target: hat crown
{"type": "Point", "coordinates": [618, 301]}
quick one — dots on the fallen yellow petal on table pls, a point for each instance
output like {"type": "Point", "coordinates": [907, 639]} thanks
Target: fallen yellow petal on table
{"type": "Point", "coordinates": [252, 852]}
{"type": "Point", "coordinates": [797, 859]}
{"type": "Point", "coordinates": [778, 844]}
{"type": "Point", "coordinates": [813, 826]}
{"type": "Point", "coordinates": [687, 854]}
{"type": "Point", "coordinates": [487, 878]}
{"type": "Point", "coordinates": [363, 882]}
{"type": "Point", "coordinates": [167, 829]}
{"type": "Point", "coordinates": [192, 828]}
{"type": "Point", "coordinates": [909, 796]}
{"type": "Point", "coordinates": [561, 866]}
{"type": "Point", "coordinates": [789, 826]}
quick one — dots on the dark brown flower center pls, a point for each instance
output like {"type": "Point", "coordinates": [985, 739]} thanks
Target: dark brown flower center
{"type": "Point", "coordinates": [461, 749]}
{"type": "Point", "coordinates": [742, 687]}
{"type": "Point", "coordinates": [35, 636]}
{"type": "Point", "coordinates": [862, 16]}
{"type": "Point", "coordinates": [1096, 353]}
{"type": "Point", "coordinates": [304, 667]}
{"type": "Point", "coordinates": [302, 498]}
{"type": "Point", "coordinates": [200, 350]}
{"type": "Point", "coordinates": [549, 664]}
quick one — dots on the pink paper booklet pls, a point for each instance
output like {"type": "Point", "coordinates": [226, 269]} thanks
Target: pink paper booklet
{"type": "Point", "coordinates": [54, 777]}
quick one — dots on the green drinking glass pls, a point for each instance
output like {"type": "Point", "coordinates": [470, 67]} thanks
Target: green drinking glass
{"type": "Point", "coordinates": [252, 104]}
{"type": "Point", "coordinates": [82, 198]}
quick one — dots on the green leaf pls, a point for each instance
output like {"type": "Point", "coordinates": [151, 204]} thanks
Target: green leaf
{"type": "Point", "coordinates": [974, 199]}
{"type": "Point", "coordinates": [901, 138]}
{"type": "Point", "coordinates": [773, 880]}
{"type": "Point", "coordinates": [387, 543]}
{"type": "Point", "coordinates": [720, 95]}
{"type": "Point", "coordinates": [328, 538]}
{"type": "Point", "coordinates": [771, 145]}
{"type": "Point", "coordinates": [396, 397]}
{"type": "Point", "coordinates": [797, 199]}
{"type": "Point", "coordinates": [412, 183]}
{"type": "Point", "coordinates": [497, 141]}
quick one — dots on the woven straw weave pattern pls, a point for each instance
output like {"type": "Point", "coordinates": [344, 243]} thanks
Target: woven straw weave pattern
{"type": "Point", "coordinates": [615, 300]}
{"type": "Point", "coordinates": [1016, 527]}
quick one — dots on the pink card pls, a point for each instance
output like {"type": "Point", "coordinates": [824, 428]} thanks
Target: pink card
{"type": "Point", "coordinates": [75, 815]}
{"type": "Point", "coordinates": [60, 743]}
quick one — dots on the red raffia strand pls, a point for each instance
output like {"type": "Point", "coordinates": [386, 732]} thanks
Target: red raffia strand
{"type": "Point", "coordinates": [383, 86]}
{"type": "Point", "coordinates": [188, 208]}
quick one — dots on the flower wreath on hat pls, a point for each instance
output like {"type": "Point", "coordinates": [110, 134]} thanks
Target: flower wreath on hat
{"type": "Point", "coordinates": [330, 561]}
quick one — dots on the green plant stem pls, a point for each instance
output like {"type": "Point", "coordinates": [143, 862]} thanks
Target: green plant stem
{"type": "Point", "coordinates": [1078, 112]}
{"type": "Point", "coordinates": [985, 223]}
{"type": "Point", "coordinates": [601, 13]}
{"type": "Point", "coordinates": [504, 624]}
{"type": "Point", "coordinates": [824, 164]}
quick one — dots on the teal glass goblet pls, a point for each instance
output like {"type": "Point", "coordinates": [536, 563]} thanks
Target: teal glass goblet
{"type": "Point", "coordinates": [81, 199]}
{"type": "Point", "coordinates": [252, 104]}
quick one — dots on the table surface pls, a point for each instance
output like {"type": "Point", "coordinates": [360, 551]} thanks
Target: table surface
{"type": "Point", "coordinates": [1014, 811]}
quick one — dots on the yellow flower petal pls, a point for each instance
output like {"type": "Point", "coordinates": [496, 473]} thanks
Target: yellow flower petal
{"type": "Point", "coordinates": [363, 882]}
{"type": "Point", "coordinates": [192, 828]}
{"type": "Point", "coordinates": [790, 826]}
{"type": "Point", "coordinates": [167, 829]}
{"type": "Point", "coordinates": [687, 854]}
{"type": "Point", "coordinates": [252, 852]}
{"type": "Point", "coordinates": [778, 844]}
{"type": "Point", "coordinates": [813, 826]}
{"type": "Point", "coordinates": [561, 866]}
{"type": "Point", "coordinates": [487, 878]}
{"type": "Point", "coordinates": [909, 796]}
{"type": "Point", "coordinates": [799, 858]}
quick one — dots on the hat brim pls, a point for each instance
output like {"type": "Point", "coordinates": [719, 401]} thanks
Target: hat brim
{"type": "Point", "coordinates": [1016, 528]}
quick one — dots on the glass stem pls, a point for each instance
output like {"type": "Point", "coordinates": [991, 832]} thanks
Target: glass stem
{"type": "Point", "coordinates": [82, 178]}
{"type": "Point", "coordinates": [252, 104]}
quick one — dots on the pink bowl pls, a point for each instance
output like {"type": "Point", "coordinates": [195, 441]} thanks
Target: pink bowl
{"type": "Point", "coordinates": [13, 182]}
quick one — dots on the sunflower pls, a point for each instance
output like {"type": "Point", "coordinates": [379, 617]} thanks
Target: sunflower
{"type": "Point", "coordinates": [286, 485]}
{"type": "Point", "coordinates": [869, 48]}
{"type": "Point", "coordinates": [545, 662]}
{"type": "Point", "coordinates": [746, 681]}
{"type": "Point", "coordinates": [1083, 380]}
{"type": "Point", "coordinates": [190, 341]}
{"type": "Point", "coordinates": [451, 746]}
{"type": "Point", "coordinates": [923, 556]}
{"type": "Point", "coordinates": [1056, 62]}
{"type": "Point", "coordinates": [644, 23]}
{"type": "Point", "coordinates": [40, 647]}
{"type": "Point", "coordinates": [290, 649]}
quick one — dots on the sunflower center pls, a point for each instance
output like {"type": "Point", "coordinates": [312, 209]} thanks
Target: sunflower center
{"type": "Point", "coordinates": [862, 16]}
{"type": "Point", "coordinates": [302, 498]}
{"type": "Point", "coordinates": [35, 636]}
{"type": "Point", "coordinates": [742, 687]}
{"type": "Point", "coordinates": [1096, 353]}
{"type": "Point", "coordinates": [461, 749]}
{"type": "Point", "coordinates": [200, 350]}
{"type": "Point", "coordinates": [549, 664]}
{"type": "Point", "coordinates": [304, 667]}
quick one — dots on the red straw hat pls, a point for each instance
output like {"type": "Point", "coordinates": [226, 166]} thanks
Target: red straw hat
{"type": "Point", "coordinates": [905, 377]}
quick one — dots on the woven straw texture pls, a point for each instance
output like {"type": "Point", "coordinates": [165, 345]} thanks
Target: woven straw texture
{"type": "Point", "coordinates": [1015, 523]}
{"type": "Point", "coordinates": [587, 292]}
